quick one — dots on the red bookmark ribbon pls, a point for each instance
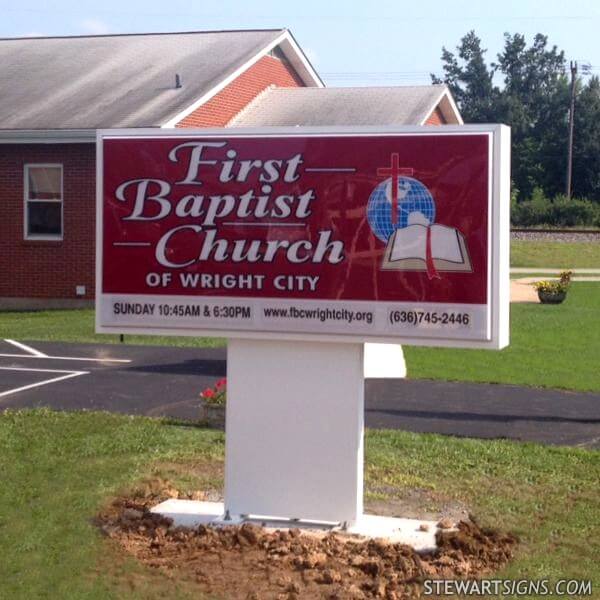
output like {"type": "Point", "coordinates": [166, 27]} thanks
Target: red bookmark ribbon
{"type": "Point", "coordinates": [431, 270]}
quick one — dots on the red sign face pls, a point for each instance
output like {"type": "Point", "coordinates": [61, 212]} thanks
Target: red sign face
{"type": "Point", "coordinates": [400, 220]}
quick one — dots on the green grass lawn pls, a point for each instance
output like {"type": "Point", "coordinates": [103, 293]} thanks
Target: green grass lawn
{"type": "Point", "coordinates": [78, 326]}
{"type": "Point", "coordinates": [551, 346]}
{"type": "Point", "coordinates": [559, 255]}
{"type": "Point", "coordinates": [59, 469]}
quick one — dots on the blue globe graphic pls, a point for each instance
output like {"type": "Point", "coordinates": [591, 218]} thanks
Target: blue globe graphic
{"type": "Point", "coordinates": [413, 197]}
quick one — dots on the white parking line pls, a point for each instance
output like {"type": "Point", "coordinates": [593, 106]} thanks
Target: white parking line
{"type": "Point", "coordinates": [33, 353]}
{"type": "Point", "coordinates": [65, 375]}
{"type": "Point", "coordinates": [29, 349]}
{"type": "Point", "coordinates": [48, 357]}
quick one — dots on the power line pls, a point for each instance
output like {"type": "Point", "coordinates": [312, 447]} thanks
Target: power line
{"type": "Point", "coordinates": [586, 69]}
{"type": "Point", "coordinates": [314, 17]}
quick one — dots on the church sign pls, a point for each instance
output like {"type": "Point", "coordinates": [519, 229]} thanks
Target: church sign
{"type": "Point", "coordinates": [363, 234]}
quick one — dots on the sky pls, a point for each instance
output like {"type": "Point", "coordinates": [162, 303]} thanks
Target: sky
{"type": "Point", "coordinates": [349, 42]}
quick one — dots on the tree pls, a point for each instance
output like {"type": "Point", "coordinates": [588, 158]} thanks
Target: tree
{"type": "Point", "coordinates": [533, 100]}
{"type": "Point", "coordinates": [470, 80]}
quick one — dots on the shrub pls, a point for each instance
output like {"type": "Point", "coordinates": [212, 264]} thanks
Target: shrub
{"type": "Point", "coordinates": [572, 212]}
{"type": "Point", "coordinates": [558, 212]}
{"type": "Point", "coordinates": [531, 212]}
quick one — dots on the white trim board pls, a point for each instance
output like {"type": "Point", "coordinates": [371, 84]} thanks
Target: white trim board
{"type": "Point", "coordinates": [293, 53]}
{"type": "Point", "coordinates": [48, 136]}
{"type": "Point", "coordinates": [447, 96]}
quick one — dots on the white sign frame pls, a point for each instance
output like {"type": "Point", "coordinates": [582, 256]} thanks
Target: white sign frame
{"type": "Point", "coordinates": [498, 292]}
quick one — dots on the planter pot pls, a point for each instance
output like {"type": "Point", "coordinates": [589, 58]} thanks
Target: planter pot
{"type": "Point", "coordinates": [213, 415]}
{"type": "Point", "coordinates": [551, 297]}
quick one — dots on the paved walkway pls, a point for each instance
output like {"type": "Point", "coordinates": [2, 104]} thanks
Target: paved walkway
{"type": "Point", "coordinates": [155, 381]}
{"type": "Point", "coordinates": [522, 291]}
{"type": "Point", "coordinates": [554, 271]}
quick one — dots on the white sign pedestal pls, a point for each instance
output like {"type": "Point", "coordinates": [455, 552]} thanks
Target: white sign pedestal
{"type": "Point", "coordinates": [294, 444]}
{"type": "Point", "coordinates": [294, 430]}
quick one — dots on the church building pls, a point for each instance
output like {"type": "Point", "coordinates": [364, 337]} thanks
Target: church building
{"type": "Point", "coordinates": [56, 92]}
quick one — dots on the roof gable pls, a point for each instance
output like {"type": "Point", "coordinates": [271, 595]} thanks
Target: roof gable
{"type": "Point", "coordinates": [401, 105]}
{"type": "Point", "coordinates": [94, 82]}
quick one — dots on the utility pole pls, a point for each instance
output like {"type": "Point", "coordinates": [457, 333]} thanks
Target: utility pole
{"type": "Point", "coordinates": [571, 126]}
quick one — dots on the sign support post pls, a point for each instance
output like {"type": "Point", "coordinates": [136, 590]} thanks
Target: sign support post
{"type": "Point", "coordinates": [294, 427]}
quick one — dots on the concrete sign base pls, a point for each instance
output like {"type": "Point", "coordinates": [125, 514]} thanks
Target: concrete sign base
{"type": "Point", "coordinates": [412, 532]}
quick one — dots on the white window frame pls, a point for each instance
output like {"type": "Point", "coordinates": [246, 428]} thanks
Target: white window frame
{"type": "Point", "coordinates": [27, 200]}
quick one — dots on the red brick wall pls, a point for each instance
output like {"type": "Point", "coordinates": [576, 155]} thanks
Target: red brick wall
{"type": "Point", "coordinates": [42, 269]}
{"type": "Point", "coordinates": [222, 107]}
{"type": "Point", "coordinates": [48, 269]}
{"type": "Point", "coordinates": [436, 117]}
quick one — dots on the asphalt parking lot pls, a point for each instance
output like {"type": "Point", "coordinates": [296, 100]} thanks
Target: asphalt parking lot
{"type": "Point", "coordinates": [142, 380]}
{"type": "Point", "coordinates": [158, 381]}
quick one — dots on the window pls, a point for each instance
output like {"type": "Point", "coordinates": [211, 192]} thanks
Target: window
{"type": "Point", "coordinates": [43, 202]}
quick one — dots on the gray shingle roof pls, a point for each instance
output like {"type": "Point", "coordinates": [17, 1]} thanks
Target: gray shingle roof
{"type": "Point", "coordinates": [406, 105]}
{"type": "Point", "coordinates": [93, 82]}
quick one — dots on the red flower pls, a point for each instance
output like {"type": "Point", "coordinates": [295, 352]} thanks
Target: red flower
{"type": "Point", "coordinates": [208, 393]}
{"type": "Point", "coordinates": [221, 383]}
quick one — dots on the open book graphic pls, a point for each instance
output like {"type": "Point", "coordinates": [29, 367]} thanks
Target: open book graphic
{"type": "Point", "coordinates": [407, 249]}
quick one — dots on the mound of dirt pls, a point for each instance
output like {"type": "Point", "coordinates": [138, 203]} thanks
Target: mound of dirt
{"type": "Point", "coordinates": [249, 562]}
